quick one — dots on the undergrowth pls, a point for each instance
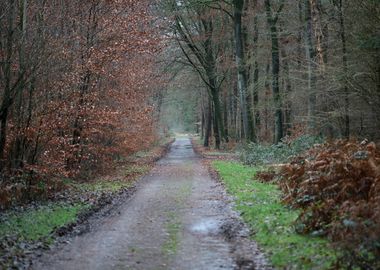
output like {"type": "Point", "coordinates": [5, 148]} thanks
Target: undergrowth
{"type": "Point", "coordinates": [271, 222]}
{"type": "Point", "coordinates": [257, 154]}
{"type": "Point", "coordinates": [336, 186]}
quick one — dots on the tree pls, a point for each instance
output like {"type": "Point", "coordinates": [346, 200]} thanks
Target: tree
{"type": "Point", "coordinates": [71, 75]}
{"type": "Point", "coordinates": [195, 38]}
{"type": "Point", "coordinates": [272, 22]}
{"type": "Point", "coordinates": [339, 5]}
{"type": "Point", "coordinates": [240, 63]}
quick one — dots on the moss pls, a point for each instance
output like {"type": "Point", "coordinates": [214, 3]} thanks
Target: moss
{"type": "Point", "coordinates": [272, 223]}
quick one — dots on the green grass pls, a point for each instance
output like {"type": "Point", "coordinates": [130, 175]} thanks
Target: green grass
{"type": "Point", "coordinates": [216, 153]}
{"type": "Point", "coordinates": [107, 186]}
{"type": "Point", "coordinates": [173, 228]}
{"type": "Point", "coordinates": [271, 222]}
{"type": "Point", "coordinates": [136, 169]}
{"type": "Point", "coordinates": [141, 154]}
{"type": "Point", "coordinates": [35, 224]}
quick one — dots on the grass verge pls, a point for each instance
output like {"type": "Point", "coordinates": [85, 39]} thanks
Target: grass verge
{"type": "Point", "coordinates": [102, 186]}
{"type": "Point", "coordinates": [271, 222]}
{"type": "Point", "coordinates": [39, 223]}
{"type": "Point", "coordinates": [26, 229]}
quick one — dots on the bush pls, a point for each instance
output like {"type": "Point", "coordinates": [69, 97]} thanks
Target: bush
{"type": "Point", "coordinates": [258, 154]}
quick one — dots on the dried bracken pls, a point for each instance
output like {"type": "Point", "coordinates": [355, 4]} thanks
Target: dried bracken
{"type": "Point", "coordinates": [268, 176]}
{"type": "Point", "coordinates": [337, 185]}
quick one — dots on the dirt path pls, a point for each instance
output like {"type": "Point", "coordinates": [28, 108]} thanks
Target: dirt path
{"type": "Point", "coordinates": [179, 218]}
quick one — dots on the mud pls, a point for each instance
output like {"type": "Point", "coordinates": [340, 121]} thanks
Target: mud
{"type": "Point", "coordinates": [178, 218]}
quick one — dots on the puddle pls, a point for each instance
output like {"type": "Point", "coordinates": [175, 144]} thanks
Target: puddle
{"type": "Point", "coordinates": [206, 226]}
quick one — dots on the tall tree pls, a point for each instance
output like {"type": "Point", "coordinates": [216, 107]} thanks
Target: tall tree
{"type": "Point", "coordinates": [272, 19]}
{"type": "Point", "coordinates": [240, 63]}
{"type": "Point", "coordinates": [311, 65]}
{"type": "Point", "coordinates": [339, 4]}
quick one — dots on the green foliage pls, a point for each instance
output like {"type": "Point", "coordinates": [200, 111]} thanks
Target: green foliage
{"type": "Point", "coordinates": [272, 222]}
{"type": "Point", "coordinates": [34, 224]}
{"type": "Point", "coordinates": [256, 154]}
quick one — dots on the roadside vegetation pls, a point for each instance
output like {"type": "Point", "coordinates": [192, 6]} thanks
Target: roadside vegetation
{"type": "Point", "coordinates": [259, 154]}
{"type": "Point", "coordinates": [39, 222]}
{"type": "Point", "coordinates": [29, 227]}
{"type": "Point", "coordinates": [319, 209]}
{"type": "Point", "coordinates": [336, 187]}
{"type": "Point", "coordinates": [23, 231]}
{"type": "Point", "coordinates": [271, 222]}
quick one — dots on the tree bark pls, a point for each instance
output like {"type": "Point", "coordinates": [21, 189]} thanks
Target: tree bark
{"type": "Point", "coordinates": [240, 63]}
{"type": "Point", "coordinates": [206, 141]}
{"type": "Point", "coordinates": [255, 78]}
{"type": "Point", "coordinates": [310, 55]}
{"type": "Point", "coordinates": [256, 73]}
{"type": "Point", "coordinates": [272, 22]}
{"type": "Point", "coordinates": [7, 99]}
{"type": "Point", "coordinates": [210, 67]}
{"type": "Point", "coordinates": [345, 70]}
{"type": "Point", "coordinates": [17, 150]}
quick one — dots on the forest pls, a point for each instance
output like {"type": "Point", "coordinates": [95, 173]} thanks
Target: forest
{"type": "Point", "coordinates": [93, 93]}
{"type": "Point", "coordinates": [78, 85]}
{"type": "Point", "coordinates": [273, 69]}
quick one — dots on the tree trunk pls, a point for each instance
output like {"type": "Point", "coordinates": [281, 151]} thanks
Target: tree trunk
{"type": "Point", "coordinates": [240, 63]}
{"type": "Point", "coordinates": [272, 22]}
{"type": "Point", "coordinates": [225, 116]}
{"type": "Point", "coordinates": [266, 110]}
{"type": "Point", "coordinates": [287, 86]}
{"type": "Point", "coordinates": [310, 54]}
{"type": "Point", "coordinates": [217, 118]}
{"type": "Point", "coordinates": [7, 100]}
{"type": "Point", "coordinates": [206, 142]}
{"type": "Point", "coordinates": [17, 150]}
{"type": "Point", "coordinates": [345, 70]}
{"type": "Point", "coordinates": [255, 111]}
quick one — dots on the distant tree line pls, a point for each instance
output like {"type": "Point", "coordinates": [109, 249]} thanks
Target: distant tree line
{"type": "Point", "coordinates": [276, 68]}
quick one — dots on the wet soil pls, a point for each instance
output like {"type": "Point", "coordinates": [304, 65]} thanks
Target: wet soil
{"type": "Point", "coordinates": [178, 218]}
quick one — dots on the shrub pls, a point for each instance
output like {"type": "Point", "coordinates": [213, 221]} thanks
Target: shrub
{"type": "Point", "coordinates": [258, 154]}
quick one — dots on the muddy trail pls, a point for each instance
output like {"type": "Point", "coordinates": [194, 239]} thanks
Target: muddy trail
{"type": "Point", "coordinates": [179, 218]}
